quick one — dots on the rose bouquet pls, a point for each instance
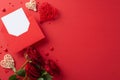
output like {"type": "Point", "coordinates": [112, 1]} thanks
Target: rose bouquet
{"type": "Point", "coordinates": [35, 67]}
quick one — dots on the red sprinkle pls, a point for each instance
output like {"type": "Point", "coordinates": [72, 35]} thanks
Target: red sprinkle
{"type": "Point", "coordinates": [49, 22]}
{"type": "Point", "coordinates": [12, 5]}
{"type": "Point", "coordinates": [51, 48]}
{"type": "Point", "coordinates": [3, 10]}
{"type": "Point", "coordinates": [47, 54]}
{"type": "Point", "coordinates": [0, 46]}
{"type": "Point", "coordinates": [9, 3]}
{"type": "Point", "coordinates": [6, 50]}
{"type": "Point", "coordinates": [56, 60]}
{"type": "Point", "coordinates": [6, 70]}
{"type": "Point", "coordinates": [38, 2]}
{"type": "Point", "coordinates": [21, 2]}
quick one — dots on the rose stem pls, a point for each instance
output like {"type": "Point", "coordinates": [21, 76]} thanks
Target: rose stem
{"type": "Point", "coordinates": [24, 64]}
{"type": "Point", "coordinates": [25, 78]}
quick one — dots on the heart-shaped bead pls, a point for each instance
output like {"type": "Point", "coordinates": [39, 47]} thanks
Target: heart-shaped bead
{"type": "Point", "coordinates": [31, 5]}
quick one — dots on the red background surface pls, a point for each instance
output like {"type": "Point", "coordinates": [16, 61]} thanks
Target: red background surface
{"type": "Point", "coordinates": [85, 38]}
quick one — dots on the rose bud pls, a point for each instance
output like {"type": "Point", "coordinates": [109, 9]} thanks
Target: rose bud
{"type": "Point", "coordinates": [52, 68]}
{"type": "Point", "coordinates": [33, 71]}
{"type": "Point", "coordinates": [34, 56]}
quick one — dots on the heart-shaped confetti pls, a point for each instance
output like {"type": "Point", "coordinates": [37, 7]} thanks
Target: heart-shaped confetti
{"type": "Point", "coordinates": [31, 5]}
{"type": "Point", "coordinates": [8, 62]}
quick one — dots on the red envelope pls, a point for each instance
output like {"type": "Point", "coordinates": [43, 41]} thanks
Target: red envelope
{"type": "Point", "coordinates": [15, 43]}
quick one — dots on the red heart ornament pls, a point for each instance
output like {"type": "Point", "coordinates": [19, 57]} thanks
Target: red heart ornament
{"type": "Point", "coordinates": [47, 12]}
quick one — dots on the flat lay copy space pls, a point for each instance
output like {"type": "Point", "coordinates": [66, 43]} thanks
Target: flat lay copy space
{"type": "Point", "coordinates": [84, 39]}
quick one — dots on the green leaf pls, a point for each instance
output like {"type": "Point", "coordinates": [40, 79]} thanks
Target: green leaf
{"type": "Point", "coordinates": [40, 78]}
{"type": "Point", "coordinates": [13, 77]}
{"type": "Point", "coordinates": [21, 73]}
{"type": "Point", "coordinates": [47, 77]}
{"type": "Point", "coordinates": [44, 73]}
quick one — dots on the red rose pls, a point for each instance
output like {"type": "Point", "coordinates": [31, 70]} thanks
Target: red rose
{"type": "Point", "coordinates": [52, 68]}
{"type": "Point", "coordinates": [34, 55]}
{"type": "Point", "coordinates": [33, 71]}
{"type": "Point", "coordinates": [47, 12]}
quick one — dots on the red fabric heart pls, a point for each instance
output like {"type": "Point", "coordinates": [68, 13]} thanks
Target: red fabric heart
{"type": "Point", "coordinates": [47, 12]}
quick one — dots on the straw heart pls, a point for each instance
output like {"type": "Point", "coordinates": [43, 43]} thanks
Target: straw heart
{"type": "Point", "coordinates": [8, 62]}
{"type": "Point", "coordinates": [8, 57]}
{"type": "Point", "coordinates": [31, 5]}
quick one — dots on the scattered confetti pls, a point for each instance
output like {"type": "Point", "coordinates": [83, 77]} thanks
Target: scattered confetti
{"type": "Point", "coordinates": [49, 22]}
{"type": "Point", "coordinates": [0, 46]}
{"type": "Point", "coordinates": [9, 3]}
{"type": "Point", "coordinates": [37, 2]}
{"type": "Point", "coordinates": [12, 5]}
{"type": "Point", "coordinates": [6, 50]}
{"type": "Point", "coordinates": [51, 48]}
{"type": "Point", "coordinates": [6, 70]}
{"type": "Point", "coordinates": [3, 10]}
{"type": "Point", "coordinates": [21, 2]}
{"type": "Point", "coordinates": [47, 54]}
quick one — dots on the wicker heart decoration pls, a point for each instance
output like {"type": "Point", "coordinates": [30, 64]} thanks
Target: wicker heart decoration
{"type": "Point", "coordinates": [8, 62]}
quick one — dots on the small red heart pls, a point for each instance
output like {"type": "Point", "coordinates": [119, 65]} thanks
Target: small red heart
{"type": "Point", "coordinates": [47, 12]}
